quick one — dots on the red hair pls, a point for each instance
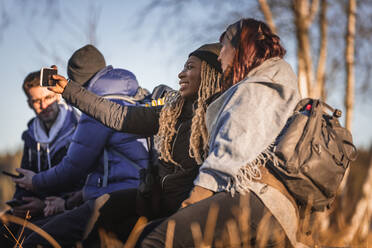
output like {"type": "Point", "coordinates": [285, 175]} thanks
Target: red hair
{"type": "Point", "coordinates": [255, 43]}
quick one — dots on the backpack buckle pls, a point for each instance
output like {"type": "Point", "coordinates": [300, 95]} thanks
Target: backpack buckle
{"type": "Point", "coordinates": [337, 113]}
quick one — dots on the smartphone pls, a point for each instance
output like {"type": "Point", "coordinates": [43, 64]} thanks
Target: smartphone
{"type": "Point", "coordinates": [15, 203]}
{"type": "Point", "coordinates": [12, 175]}
{"type": "Point", "coordinates": [46, 79]}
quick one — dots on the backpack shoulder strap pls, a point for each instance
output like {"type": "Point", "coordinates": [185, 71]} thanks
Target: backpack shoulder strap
{"type": "Point", "coordinates": [121, 97]}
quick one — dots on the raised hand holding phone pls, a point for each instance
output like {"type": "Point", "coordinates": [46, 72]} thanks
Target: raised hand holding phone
{"type": "Point", "coordinates": [46, 76]}
{"type": "Point", "coordinates": [61, 83]}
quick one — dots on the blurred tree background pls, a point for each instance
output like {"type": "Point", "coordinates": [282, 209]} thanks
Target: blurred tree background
{"type": "Point", "coordinates": [8, 162]}
{"type": "Point", "coordinates": [328, 41]}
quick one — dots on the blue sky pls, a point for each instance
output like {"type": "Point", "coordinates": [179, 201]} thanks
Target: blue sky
{"type": "Point", "coordinates": [123, 43]}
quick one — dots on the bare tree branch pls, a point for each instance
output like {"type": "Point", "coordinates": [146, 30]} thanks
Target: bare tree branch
{"type": "Point", "coordinates": [4, 20]}
{"type": "Point", "coordinates": [313, 11]}
{"type": "Point", "coordinates": [265, 8]}
{"type": "Point", "coordinates": [93, 20]}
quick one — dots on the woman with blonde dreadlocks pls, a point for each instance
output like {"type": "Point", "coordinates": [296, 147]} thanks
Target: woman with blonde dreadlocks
{"type": "Point", "coordinates": [181, 137]}
{"type": "Point", "coordinates": [251, 206]}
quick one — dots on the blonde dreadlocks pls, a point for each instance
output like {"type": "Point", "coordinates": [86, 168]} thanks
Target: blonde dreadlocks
{"type": "Point", "coordinates": [209, 84]}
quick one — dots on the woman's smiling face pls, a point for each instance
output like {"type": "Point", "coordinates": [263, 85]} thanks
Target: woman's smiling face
{"type": "Point", "coordinates": [190, 77]}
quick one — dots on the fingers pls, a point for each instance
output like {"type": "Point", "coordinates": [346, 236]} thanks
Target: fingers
{"type": "Point", "coordinates": [59, 77]}
{"type": "Point", "coordinates": [60, 86]}
{"type": "Point", "coordinates": [19, 212]}
{"type": "Point", "coordinates": [21, 184]}
{"type": "Point", "coordinates": [51, 198]}
{"type": "Point", "coordinates": [24, 207]}
{"type": "Point", "coordinates": [54, 67]}
{"type": "Point", "coordinates": [54, 207]}
{"type": "Point", "coordinates": [48, 211]}
{"type": "Point", "coordinates": [185, 203]}
{"type": "Point", "coordinates": [22, 171]}
{"type": "Point", "coordinates": [18, 181]}
{"type": "Point", "coordinates": [28, 198]}
{"type": "Point", "coordinates": [26, 180]}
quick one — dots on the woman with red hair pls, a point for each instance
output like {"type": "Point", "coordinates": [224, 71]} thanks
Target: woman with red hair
{"type": "Point", "coordinates": [259, 94]}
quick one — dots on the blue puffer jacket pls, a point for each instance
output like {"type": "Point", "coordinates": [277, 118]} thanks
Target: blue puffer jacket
{"type": "Point", "coordinates": [39, 156]}
{"type": "Point", "coordinates": [86, 152]}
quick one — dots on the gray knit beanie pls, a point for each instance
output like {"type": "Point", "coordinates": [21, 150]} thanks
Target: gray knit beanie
{"type": "Point", "coordinates": [84, 64]}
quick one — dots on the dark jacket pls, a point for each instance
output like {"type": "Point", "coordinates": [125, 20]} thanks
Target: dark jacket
{"type": "Point", "coordinates": [176, 181]}
{"type": "Point", "coordinates": [35, 153]}
{"type": "Point", "coordinates": [86, 152]}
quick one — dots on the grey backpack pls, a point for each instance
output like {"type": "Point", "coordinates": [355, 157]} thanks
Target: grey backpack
{"type": "Point", "coordinates": [313, 152]}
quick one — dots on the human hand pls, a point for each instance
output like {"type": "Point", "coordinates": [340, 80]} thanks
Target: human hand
{"type": "Point", "coordinates": [61, 83]}
{"type": "Point", "coordinates": [197, 194]}
{"type": "Point", "coordinates": [54, 205]}
{"type": "Point", "coordinates": [33, 204]}
{"type": "Point", "coordinates": [26, 180]}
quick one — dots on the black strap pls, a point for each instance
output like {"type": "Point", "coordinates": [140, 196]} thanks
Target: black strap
{"type": "Point", "coordinates": [340, 145]}
{"type": "Point", "coordinates": [152, 152]}
{"type": "Point", "coordinates": [328, 107]}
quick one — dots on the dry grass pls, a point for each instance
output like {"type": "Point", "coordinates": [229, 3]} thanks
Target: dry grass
{"type": "Point", "coordinates": [7, 218]}
{"type": "Point", "coordinates": [324, 229]}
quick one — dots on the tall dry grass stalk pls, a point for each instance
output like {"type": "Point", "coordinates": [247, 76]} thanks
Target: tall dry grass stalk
{"type": "Point", "coordinates": [244, 218]}
{"type": "Point", "coordinates": [263, 230]}
{"type": "Point", "coordinates": [109, 240]}
{"type": "Point", "coordinates": [197, 235]}
{"type": "Point", "coordinates": [17, 240]}
{"type": "Point", "coordinates": [207, 240]}
{"type": "Point", "coordinates": [233, 231]}
{"type": "Point", "coordinates": [136, 232]}
{"type": "Point", "coordinates": [170, 234]}
{"type": "Point", "coordinates": [210, 225]}
{"type": "Point", "coordinates": [7, 218]}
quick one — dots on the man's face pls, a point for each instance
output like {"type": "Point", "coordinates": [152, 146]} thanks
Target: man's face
{"type": "Point", "coordinates": [44, 103]}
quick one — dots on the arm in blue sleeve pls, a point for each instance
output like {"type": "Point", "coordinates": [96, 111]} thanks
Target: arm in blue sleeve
{"type": "Point", "coordinates": [82, 157]}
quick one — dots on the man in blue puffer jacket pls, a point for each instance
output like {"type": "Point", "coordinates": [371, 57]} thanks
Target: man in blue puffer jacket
{"type": "Point", "coordinates": [46, 140]}
{"type": "Point", "coordinates": [45, 143]}
{"type": "Point", "coordinates": [110, 160]}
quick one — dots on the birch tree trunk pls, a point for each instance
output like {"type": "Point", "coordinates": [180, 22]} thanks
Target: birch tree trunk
{"type": "Point", "coordinates": [304, 16]}
{"type": "Point", "coordinates": [349, 56]}
{"type": "Point", "coordinates": [323, 26]}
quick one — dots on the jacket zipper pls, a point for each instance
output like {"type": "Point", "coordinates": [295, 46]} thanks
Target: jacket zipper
{"type": "Point", "coordinates": [163, 180]}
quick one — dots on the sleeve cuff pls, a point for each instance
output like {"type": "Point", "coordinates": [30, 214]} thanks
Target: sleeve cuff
{"type": "Point", "coordinates": [207, 181]}
{"type": "Point", "coordinates": [35, 182]}
{"type": "Point", "coordinates": [70, 90]}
